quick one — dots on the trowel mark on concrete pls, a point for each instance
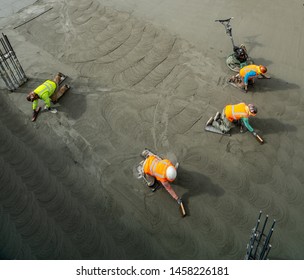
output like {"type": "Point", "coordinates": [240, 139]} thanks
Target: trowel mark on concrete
{"type": "Point", "coordinates": [67, 25]}
{"type": "Point", "coordinates": [146, 63]}
{"type": "Point", "coordinates": [118, 51]}
{"type": "Point", "coordinates": [58, 210]}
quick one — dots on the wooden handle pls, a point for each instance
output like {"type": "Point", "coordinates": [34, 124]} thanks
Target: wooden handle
{"type": "Point", "coordinates": [260, 139]}
{"type": "Point", "coordinates": [183, 211]}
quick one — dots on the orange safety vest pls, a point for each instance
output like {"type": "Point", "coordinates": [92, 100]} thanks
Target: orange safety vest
{"type": "Point", "coordinates": [249, 68]}
{"type": "Point", "coordinates": [236, 112]}
{"type": "Point", "coordinates": [157, 168]}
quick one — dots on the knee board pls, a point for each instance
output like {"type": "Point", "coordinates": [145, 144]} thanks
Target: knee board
{"type": "Point", "coordinates": [211, 128]}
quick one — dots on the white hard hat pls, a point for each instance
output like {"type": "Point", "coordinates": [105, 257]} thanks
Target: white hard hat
{"type": "Point", "coordinates": [171, 173]}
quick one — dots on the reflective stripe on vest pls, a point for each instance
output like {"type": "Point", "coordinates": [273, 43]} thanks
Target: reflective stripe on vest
{"type": "Point", "coordinates": [153, 168]}
{"type": "Point", "coordinates": [156, 167]}
{"type": "Point", "coordinates": [235, 112]}
{"type": "Point", "coordinates": [47, 86]}
{"type": "Point", "coordinates": [241, 114]}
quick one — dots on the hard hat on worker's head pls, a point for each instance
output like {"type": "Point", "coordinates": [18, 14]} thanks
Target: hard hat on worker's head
{"type": "Point", "coordinates": [252, 109]}
{"type": "Point", "coordinates": [171, 173]}
{"type": "Point", "coordinates": [263, 69]}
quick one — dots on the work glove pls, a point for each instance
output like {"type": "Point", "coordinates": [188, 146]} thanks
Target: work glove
{"type": "Point", "coordinates": [49, 109]}
{"type": "Point", "coordinates": [35, 113]}
{"type": "Point", "coordinates": [179, 201]}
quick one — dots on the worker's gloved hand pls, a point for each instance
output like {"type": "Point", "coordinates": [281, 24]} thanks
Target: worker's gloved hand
{"type": "Point", "coordinates": [254, 133]}
{"type": "Point", "coordinates": [179, 201]}
{"type": "Point", "coordinates": [35, 113]}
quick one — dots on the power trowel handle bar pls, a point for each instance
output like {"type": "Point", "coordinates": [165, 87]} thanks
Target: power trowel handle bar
{"type": "Point", "coordinates": [224, 20]}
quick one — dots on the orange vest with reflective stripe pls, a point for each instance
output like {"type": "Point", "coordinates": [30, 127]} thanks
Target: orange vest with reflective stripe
{"type": "Point", "coordinates": [236, 112]}
{"type": "Point", "coordinates": [249, 68]}
{"type": "Point", "coordinates": [157, 168]}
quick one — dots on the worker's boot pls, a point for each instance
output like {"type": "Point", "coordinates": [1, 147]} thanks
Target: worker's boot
{"type": "Point", "coordinates": [217, 116]}
{"type": "Point", "coordinates": [232, 79]}
{"type": "Point", "coordinates": [243, 128]}
{"type": "Point", "coordinates": [156, 186]}
{"type": "Point", "coordinates": [149, 180]}
{"type": "Point", "coordinates": [251, 82]}
{"type": "Point", "coordinates": [210, 121]}
{"type": "Point", "coordinates": [145, 153]}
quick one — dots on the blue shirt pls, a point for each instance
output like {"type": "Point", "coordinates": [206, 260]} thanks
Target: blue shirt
{"type": "Point", "coordinates": [248, 75]}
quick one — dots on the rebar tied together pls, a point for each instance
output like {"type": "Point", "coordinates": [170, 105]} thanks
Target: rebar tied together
{"type": "Point", "coordinates": [10, 69]}
{"type": "Point", "coordinates": [259, 245]}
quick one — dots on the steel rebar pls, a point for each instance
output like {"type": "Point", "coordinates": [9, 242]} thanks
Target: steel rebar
{"type": "Point", "coordinates": [6, 78]}
{"type": "Point", "coordinates": [8, 68]}
{"type": "Point", "coordinates": [268, 238]}
{"type": "Point", "coordinates": [258, 221]}
{"type": "Point", "coordinates": [15, 57]}
{"type": "Point", "coordinates": [267, 252]}
{"type": "Point", "coordinates": [10, 58]}
{"type": "Point", "coordinates": [261, 235]}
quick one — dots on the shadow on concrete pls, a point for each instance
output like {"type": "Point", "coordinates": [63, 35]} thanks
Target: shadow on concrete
{"type": "Point", "coordinates": [37, 189]}
{"type": "Point", "coordinates": [262, 61]}
{"type": "Point", "coordinates": [266, 126]}
{"type": "Point", "coordinates": [273, 84]}
{"type": "Point", "coordinates": [251, 42]}
{"type": "Point", "coordinates": [31, 84]}
{"type": "Point", "coordinates": [72, 104]}
{"type": "Point", "coordinates": [196, 184]}
{"type": "Point", "coordinates": [271, 126]}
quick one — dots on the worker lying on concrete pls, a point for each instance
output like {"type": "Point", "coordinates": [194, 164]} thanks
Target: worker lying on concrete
{"type": "Point", "coordinates": [237, 114]}
{"type": "Point", "coordinates": [247, 75]}
{"type": "Point", "coordinates": [162, 170]}
{"type": "Point", "coordinates": [48, 91]}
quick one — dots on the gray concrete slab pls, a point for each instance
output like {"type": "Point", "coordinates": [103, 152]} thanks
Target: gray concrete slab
{"type": "Point", "coordinates": [150, 74]}
{"type": "Point", "coordinates": [11, 7]}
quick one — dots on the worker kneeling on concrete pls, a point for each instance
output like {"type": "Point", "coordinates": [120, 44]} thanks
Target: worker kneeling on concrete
{"type": "Point", "coordinates": [237, 114]}
{"type": "Point", "coordinates": [247, 75]}
{"type": "Point", "coordinates": [48, 91]}
{"type": "Point", "coordinates": [154, 168]}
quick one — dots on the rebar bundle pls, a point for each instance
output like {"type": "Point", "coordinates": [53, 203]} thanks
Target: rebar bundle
{"type": "Point", "coordinates": [10, 69]}
{"type": "Point", "coordinates": [259, 245]}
